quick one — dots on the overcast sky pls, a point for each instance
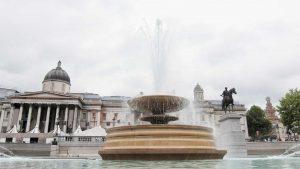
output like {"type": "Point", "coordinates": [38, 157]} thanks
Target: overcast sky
{"type": "Point", "coordinates": [253, 46]}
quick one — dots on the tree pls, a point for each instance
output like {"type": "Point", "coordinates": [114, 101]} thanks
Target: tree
{"type": "Point", "coordinates": [289, 109]}
{"type": "Point", "coordinates": [257, 121]}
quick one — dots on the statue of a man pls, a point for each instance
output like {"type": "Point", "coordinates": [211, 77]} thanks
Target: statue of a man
{"type": "Point", "coordinates": [224, 94]}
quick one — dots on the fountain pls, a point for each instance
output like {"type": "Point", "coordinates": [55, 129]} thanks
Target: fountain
{"type": "Point", "coordinates": [159, 140]}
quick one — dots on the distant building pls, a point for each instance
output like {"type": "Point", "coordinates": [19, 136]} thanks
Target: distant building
{"type": "Point", "coordinates": [278, 129]}
{"type": "Point", "coordinates": [115, 111]}
{"type": "Point", "coordinates": [5, 107]}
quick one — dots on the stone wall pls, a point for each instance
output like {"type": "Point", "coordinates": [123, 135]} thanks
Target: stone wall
{"type": "Point", "coordinates": [21, 149]}
{"type": "Point", "coordinates": [56, 86]}
{"type": "Point", "coordinates": [77, 150]}
{"type": "Point", "coordinates": [268, 148]}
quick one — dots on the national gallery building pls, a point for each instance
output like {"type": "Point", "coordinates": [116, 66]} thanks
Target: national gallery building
{"type": "Point", "coordinates": [56, 108]}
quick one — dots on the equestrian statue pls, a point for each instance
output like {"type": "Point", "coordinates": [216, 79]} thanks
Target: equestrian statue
{"type": "Point", "coordinates": [227, 99]}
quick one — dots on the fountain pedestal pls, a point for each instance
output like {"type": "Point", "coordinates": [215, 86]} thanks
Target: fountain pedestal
{"type": "Point", "coordinates": [160, 142]}
{"type": "Point", "coordinates": [231, 137]}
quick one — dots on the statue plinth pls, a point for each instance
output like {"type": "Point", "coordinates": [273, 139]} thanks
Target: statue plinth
{"type": "Point", "coordinates": [233, 139]}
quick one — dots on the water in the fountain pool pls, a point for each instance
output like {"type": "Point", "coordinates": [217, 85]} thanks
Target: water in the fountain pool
{"type": "Point", "coordinates": [247, 163]}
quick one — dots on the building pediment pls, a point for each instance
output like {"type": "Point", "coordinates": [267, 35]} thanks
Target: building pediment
{"type": "Point", "coordinates": [46, 97]}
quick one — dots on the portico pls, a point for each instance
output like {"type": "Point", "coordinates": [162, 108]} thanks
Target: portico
{"type": "Point", "coordinates": [50, 110]}
{"type": "Point", "coordinates": [45, 110]}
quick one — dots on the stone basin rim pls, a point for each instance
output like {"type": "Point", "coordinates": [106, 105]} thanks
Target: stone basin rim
{"type": "Point", "coordinates": [136, 103]}
{"type": "Point", "coordinates": [160, 126]}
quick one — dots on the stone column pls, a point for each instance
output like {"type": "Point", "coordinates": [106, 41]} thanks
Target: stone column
{"type": "Point", "coordinates": [98, 118]}
{"type": "Point", "coordinates": [1, 119]}
{"type": "Point", "coordinates": [88, 119]}
{"type": "Point", "coordinates": [20, 117]}
{"type": "Point", "coordinates": [29, 118]}
{"type": "Point", "coordinates": [233, 139]}
{"type": "Point", "coordinates": [66, 119]}
{"type": "Point", "coordinates": [56, 116]}
{"type": "Point", "coordinates": [79, 114]}
{"type": "Point", "coordinates": [10, 118]}
{"type": "Point", "coordinates": [47, 119]}
{"type": "Point", "coordinates": [38, 116]}
{"type": "Point", "coordinates": [75, 119]}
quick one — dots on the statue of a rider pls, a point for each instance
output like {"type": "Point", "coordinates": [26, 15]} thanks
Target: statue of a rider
{"type": "Point", "coordinates": [224, 95]}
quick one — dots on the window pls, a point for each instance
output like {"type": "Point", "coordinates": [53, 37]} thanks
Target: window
{"type": "Point", "coordinates": [83, 115]}
{"type": "Point", "coordinates": [69, 139]}
{"type": "Point", "coordinates": [103, 116]}
{"type": "Point", "coordinates": [9, 140]}
{"type": "Point", "coordinates": [52, 86]}
{"type": "Point", "coordinates": [34, 140]}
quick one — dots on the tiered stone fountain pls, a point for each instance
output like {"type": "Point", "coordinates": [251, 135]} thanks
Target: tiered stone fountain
{"type": "Point", "coordinates": [159, 140]}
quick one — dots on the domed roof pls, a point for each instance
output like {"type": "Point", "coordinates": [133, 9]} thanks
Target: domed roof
{"type": "Point", "coordinates": [198, 88]}
{"type": "Point", "coordinates": [57, 74]}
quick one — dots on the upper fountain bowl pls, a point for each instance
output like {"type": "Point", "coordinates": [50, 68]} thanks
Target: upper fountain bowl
{"type": "Point", "coordinates": [158, 104]}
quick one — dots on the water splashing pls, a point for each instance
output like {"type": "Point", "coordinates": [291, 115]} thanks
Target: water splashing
{"type": "Point", "coordinates": [292, 151]}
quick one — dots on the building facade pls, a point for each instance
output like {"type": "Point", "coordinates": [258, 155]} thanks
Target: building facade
{"type": "Point", "coordinates": [56, 107]}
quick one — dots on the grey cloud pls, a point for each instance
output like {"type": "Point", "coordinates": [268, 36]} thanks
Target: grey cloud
{"type": "Point", "coordinates": [103, 51]}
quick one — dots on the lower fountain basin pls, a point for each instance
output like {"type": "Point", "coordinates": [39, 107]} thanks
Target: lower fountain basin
{"type": "Point", "coordinates": [160, 142]}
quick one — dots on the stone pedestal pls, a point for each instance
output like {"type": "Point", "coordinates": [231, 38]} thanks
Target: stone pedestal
{"type": "Point", "coordinates": [160, 142]}
{"type": "Point", "coordinates": [231, 136]}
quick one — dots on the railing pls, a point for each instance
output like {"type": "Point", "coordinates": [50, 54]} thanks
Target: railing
{"type": "Point", "coordinates": [81, 139]}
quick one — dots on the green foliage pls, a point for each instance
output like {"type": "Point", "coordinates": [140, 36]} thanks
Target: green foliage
{"type": "Point", "coordinates": [257, 121]}
{"type": "Point", "coordinates": [289, 109]}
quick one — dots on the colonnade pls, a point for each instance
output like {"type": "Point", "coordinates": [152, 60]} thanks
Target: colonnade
{"type": "Point", "coordinates": [22, 116]}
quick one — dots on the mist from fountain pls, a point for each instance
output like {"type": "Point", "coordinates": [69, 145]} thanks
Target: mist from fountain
{"type": "Point", "coordinates": [159, 45]}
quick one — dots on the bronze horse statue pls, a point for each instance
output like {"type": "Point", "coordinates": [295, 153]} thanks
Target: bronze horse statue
{"type": "Point", "coordinates": [228, 100]}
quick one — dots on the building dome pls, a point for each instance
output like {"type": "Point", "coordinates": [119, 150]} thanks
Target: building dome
{"type": "Point", "coordinates": [57, 74]}
{"type": "Point", "coordinates": [198, 88]}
